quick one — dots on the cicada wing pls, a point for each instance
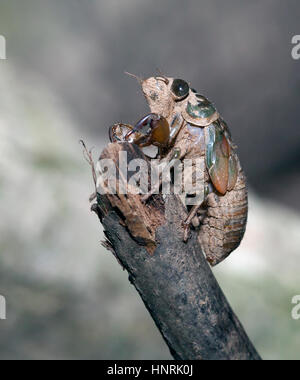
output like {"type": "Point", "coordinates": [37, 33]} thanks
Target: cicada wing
{"type": "Point", "coordinates": [217, 157]}
{"type": "Point", "coordinates": [233, 160]}
{"type": "Point", "coordinates": [233, 171]}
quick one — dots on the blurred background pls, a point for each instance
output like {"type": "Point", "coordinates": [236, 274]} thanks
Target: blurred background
{"type": "Point", "coordinates": [63, 80]}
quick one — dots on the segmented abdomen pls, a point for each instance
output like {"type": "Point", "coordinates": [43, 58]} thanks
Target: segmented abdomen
{"type": "Point", "coordinates": [224, 225]}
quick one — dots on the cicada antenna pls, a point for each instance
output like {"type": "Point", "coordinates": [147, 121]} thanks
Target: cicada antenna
{"type": "Point", "coordinates": [139, 79]}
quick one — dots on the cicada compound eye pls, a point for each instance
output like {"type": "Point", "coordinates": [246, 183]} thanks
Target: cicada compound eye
{"type": "Point", "coordinates": [180, 89]}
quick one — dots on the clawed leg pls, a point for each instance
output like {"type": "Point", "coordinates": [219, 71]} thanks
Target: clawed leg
{"type": "Point", "coordinates": [188, 221]}
{"type": "Point", "coordinates": [87, 154]}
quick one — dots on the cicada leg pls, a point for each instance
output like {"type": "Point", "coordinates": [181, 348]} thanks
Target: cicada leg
{"type": "Point", "coordinates": [197, 213]}
{"type": "Point", "coordinates": [188, 221]}
{"type": "Point", "coordinates": [119, 131]}
{"type": "Point", "coordinates": [152, 129]}
{"type": "Point", "coordinates": [176, 153]}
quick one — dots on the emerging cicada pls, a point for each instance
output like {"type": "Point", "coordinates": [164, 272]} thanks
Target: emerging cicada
{"type": "Point", "coordinates": [184, 122]}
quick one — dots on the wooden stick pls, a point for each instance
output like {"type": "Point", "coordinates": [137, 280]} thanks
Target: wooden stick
{"type": "Point", "coordinates": [172, 277]}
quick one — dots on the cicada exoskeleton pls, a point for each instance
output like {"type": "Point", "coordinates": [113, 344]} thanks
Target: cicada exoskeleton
{"type": "Point", "coordinates": [187, 123]}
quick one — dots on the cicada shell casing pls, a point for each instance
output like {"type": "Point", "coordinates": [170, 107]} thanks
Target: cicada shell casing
{"type": "Point", "coordinates": [223, 215]}
{"type": "Point", "coordinates": [224, 225]}
{"type": "Point", "coordinates": [198, 131]}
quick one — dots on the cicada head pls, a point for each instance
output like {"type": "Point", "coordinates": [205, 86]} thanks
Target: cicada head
{"type": "Point", "coordinates": [157, 93]}
{"type": "Point", "coordinates": [163, 93]}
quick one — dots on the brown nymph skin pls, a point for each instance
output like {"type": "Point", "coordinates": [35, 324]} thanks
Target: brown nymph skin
{"type": "Point", "coordinates": [222, 217]}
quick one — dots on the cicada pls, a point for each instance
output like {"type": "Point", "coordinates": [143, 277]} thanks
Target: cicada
{"type": "Point", "coordinates": [185, 124]}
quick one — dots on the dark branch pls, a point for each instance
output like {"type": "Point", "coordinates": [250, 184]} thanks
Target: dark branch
{"type": "Point", "coordinates": [172, 277]}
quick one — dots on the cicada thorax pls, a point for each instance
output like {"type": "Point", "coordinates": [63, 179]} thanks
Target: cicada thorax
{"type": "Point", "coordinates": [198, 110]}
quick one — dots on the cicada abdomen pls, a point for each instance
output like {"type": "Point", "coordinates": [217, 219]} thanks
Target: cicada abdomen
{"type": "Point", "coordinates": [224, 225]}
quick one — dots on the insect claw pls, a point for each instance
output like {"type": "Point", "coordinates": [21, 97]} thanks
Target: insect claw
{"type": "Point", "coordinates": [186, 232]}
{"type": "Point", "coordinates": [128, 134]}
{"type": "Point", "coordinates": [88, 156]}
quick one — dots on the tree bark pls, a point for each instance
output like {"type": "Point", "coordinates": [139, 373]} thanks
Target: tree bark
{"type": "Point", "coordinates": [173, 278]}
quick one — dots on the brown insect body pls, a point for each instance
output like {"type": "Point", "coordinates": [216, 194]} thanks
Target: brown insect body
{"type": "Point", "coordinates": [190, 115]}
